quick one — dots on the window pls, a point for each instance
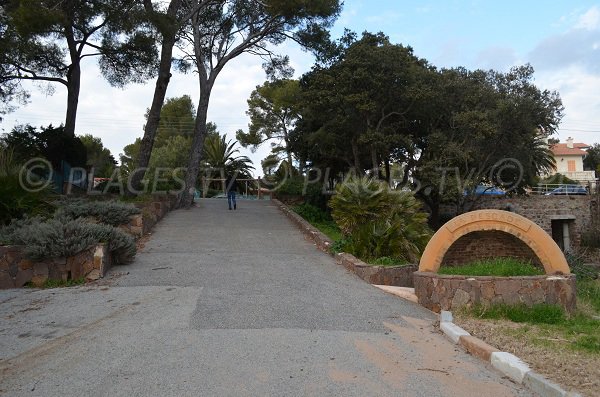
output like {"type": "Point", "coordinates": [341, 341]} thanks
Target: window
{"type": "Point", "coordinates": [571, 166]}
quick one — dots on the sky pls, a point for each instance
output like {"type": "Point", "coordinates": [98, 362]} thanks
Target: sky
{"type": "Point", "coordinates": [560, 39]}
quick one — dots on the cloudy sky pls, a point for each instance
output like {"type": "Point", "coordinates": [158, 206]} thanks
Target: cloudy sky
{"type": "Point", "coordinates": [560, 38]}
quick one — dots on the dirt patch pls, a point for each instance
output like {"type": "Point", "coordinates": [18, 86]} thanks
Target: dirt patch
{"type": "Point", "coordinates": [546, 353]}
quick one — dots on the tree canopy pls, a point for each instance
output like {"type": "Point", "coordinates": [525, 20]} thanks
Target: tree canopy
{"type": "Point", "coordinates": [98, 157]}
{"type": "Point", "coordinates": [47, 40]}
{"type": "Point", "coordinates": [272, 111]}
{"type": "Point", "coordinates": [375, 103]}
{"type": "Point", "coordinates": [228, 28]}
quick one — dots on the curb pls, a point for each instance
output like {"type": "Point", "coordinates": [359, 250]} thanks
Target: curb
{"type": "Point", "coordinates": [507, 363]}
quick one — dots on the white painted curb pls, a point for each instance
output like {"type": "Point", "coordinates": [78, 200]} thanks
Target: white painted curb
{"type": "Point", "coordinates": [453, 331]}
{"type": "Point", "coordinates": [510, 365]}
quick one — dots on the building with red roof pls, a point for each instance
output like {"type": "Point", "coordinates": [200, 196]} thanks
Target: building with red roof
{"type": "Point", "coordinates": [569, 160]}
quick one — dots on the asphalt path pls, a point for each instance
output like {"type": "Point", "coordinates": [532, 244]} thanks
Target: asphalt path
{"type": "Point", "coordinates": [230, 303]}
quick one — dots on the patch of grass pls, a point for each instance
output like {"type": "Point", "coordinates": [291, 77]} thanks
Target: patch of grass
{"type": "Point", "coordinates": [58, 283]}
{"type": "Point", "coordinates": [330, 229]}
{"type": "Point", "coordinates": [537, 314]}
{"type": "Point", "coordinates": [589, 291]}
{"type": "Point", "coordinates": [319, 219]}
{"type": "Point", "coordinates": [500, 267]}
{"type": "Point", "coordinates": [387, 261]}
{"type": "Point", "coordinates": [581, 331]}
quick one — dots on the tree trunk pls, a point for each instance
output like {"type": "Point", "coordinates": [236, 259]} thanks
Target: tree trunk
{"type": "Point", "coordinates": [374, 162]}
{"type": "Point", "coordinates": [160, 91]}
{"type": "Point", "coordinates": [356, 155]}
{"type": "Point", "coordinates": [73, 81]}
{"type": "Point", "coordinates": [73, 87]}
{"type": "Point", "coordinates": [388, 174]}
{"type": "Point", "coordinates": [197, 147]}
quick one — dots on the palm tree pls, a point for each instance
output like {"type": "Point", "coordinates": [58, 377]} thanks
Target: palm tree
{"type": "Point", "coordinates": [221, 158]}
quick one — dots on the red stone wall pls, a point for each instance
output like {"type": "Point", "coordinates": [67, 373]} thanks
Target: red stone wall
{"type": "Point", "coordinates": [488, 244]}
{"type": "Point", "coordinates": [16, 271]}
{"type": "Point", "coordinates": [444, 292]}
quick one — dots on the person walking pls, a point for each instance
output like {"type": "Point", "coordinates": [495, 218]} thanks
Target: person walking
{"type": "Point", "coordinates": [231, 187]}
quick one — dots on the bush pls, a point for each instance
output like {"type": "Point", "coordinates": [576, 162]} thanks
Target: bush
{"type": "Point", "coordinates": [63, 236]}
{"type": "Point", "coordinates": [113, 213]}
{"type": "Point", "coordinates": [291, 187]}
{"type": "Point", "coordinates": [380, 221]}
{"type": "Point", "coordinates": [311, 213]}
{"type": "Point", "coordinates": [17, 202]}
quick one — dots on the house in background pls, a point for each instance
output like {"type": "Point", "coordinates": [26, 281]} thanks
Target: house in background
{"type": "Point", "coordinates": [569, 160]}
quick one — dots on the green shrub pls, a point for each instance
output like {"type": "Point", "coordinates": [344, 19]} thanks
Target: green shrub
{"type": "Point", "coordinates": [63, 236]}
{"type": "Point", "coordinates": [500, 267]}
{"type": "Point", "coordinates": [311, 213]}
{"type": "Point", "coordinates": [15, 201]}
{"type": "Point", "coordinates": [113, 213]}
{"type": "Point", "coordinates": [291, 187]}
{"type": "Point", "coordinates": [380, 221]}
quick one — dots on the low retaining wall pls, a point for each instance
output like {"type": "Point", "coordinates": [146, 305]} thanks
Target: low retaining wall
{"type": "Point", "coordinates": [447, 292]}
{"type": "Point", "coordinates": [91, 264]}
{"type": "Point", "coordinates": [16, 271]}
{"type": "Point", "coordinates": [397, 276]}
{"type": "Point", "coordinates": [152, 212]}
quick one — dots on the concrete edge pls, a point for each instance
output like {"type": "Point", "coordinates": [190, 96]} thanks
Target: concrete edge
{"type": "Point", "coordinates": [401, 292]}
{"type": "Point", "coordinates": [507, 363]}
{"type": "Point", "coordinates": [453, 331]}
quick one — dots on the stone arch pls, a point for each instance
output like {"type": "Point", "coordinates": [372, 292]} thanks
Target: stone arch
{"type": "Point", "coordinates": [525, 230]}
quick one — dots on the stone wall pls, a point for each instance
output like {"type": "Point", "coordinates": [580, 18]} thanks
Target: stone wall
{"type": "Point", "coordinates": [444, 292]}
{"type": "Point", "coordinates": [91, 264]}
{"type": "Point", "coordinates": [151, 213]}
{"type": "Point", "coordinates": [398, 276]}
{"type": "Point", "coordinates": [488, 244]}
{"type": "Point", "coordinates": [16, 270]}
{"type": "Point", "coordinates": [543, 209]}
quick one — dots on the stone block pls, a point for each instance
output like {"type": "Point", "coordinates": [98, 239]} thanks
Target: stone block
{"type": "Point", "coordinates": [39, 280]}
{"type": "Point", "coordinates": [510, 365]}
{"type": "Point", "coordinates": [477, 347]}
{"type": "Point", "coordinates": [461, 298]}
{"type": "Point", "coordinates": [3, 264]}
{"type": "Point", "coordinates": [446, 317]}
{"type": "Point", "coordinates": [542, 386]}
{"type": "Point", "coordinates": [25, 264]}
{"type": "Point", "coordinates": [23, 277]}
{"type": "Point", "coordinates": [453, 331]}
{"type": "Point", "coordinates": [6, 281]}
{"type": "Point", "coordinates": [40, 269]}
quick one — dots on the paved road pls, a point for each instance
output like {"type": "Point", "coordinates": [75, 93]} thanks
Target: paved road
{"type": "Point", "coordinates": [230, 303]}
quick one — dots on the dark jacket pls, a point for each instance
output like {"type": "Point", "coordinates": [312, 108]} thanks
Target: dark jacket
{"type": "Point", "coordinates": [231, 184]}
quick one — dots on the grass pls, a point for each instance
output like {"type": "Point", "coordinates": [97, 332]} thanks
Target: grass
{"type": "Point", "coordinates": [386, 261]}
{"type": "Point", "coordinates": [48, 284]}
{"type": "Point", "coordinates": [501, 267]}
{"type": "Point", "coordinates": [580, 331]}
{"type": "Point", "coordinates": [330, 229]}
{"type": "Point", "coordinates": [319, 219]}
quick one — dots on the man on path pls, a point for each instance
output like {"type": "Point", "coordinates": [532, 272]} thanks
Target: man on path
{"type": "Point", "coordinates": [231, 187]}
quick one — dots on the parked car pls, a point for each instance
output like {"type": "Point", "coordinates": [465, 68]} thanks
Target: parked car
{"type": "Point", "coordinates": [482, 190]}
{"type": "Point", "coordinates": [567, 190]}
